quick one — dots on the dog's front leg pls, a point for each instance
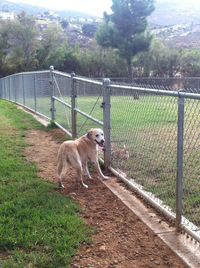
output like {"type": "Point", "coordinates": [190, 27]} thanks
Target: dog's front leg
{"type": "Point", "coordinates": [86, 171]}
{"type": "Point", "coordinates": [96, 163]}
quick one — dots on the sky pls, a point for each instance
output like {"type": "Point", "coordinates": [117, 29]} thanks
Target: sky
{"type": "Point", "coordinates": [92, 7]}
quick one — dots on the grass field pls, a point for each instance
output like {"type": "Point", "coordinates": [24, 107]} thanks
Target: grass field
{"type": "Point", "coordinates": [38, 227]}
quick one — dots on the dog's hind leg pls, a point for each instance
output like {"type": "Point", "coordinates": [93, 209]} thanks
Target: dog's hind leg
{"type": "Point", "coordinates": [61, 168]}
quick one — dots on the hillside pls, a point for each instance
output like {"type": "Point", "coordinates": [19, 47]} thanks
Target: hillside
{"type": "Point", "coordinates": [177, 23]}
{"type": "Point", "coordinates": [172, 12]}
{"type": "Point", "coordinates": [167, 12]}
{"type": "Point", "coordinates": [7, 6]}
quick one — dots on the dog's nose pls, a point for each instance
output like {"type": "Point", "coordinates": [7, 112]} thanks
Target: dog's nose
{"type": "Point", "coordinates": [102, 141]}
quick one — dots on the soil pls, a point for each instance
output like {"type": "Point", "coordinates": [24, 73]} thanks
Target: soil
{"type": "Point", "coordinates": [120, 239]}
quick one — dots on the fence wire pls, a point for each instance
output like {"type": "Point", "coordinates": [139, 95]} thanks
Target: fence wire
{"type": "Point", "coordinates": [28, 89]}
{"type": "Point", "coordinates": [89, 100]}
{"type": "Point", "coordinates": [185, 84]}
{"type": "Point", "coordinates": [144, 136]}
{"type": "Point", "coordinates": [191, 168]}
{"type": "Point", "coordinates": [62, 90]}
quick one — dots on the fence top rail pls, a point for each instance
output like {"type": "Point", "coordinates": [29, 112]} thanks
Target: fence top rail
{"type": "Point", "coordinates": [88, 80]}
{"type": "Point", "coordinates": [157, 78]}
{"type": "Point", "coordinates": [24, 73]}
{"type": "Point", "coordinates": [79, 78]}
{"type": "Point", "coordinates": [61, 73]}
{"type": "Point", "coordinates": [158, 91]}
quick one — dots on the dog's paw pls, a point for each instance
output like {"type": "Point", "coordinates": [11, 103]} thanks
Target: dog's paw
{"type": "Point", "coordinates": [85, 185]}
{"type": "Point", "coordinates": [88, 177]}
{"type": "Point", "coordinates": [105, 178]}
{"type": "Point", "coordinates": [61, 186]}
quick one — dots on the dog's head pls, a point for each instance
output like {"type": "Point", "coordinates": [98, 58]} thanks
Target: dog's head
{"type": "Point", "coordinates": [97, 136]}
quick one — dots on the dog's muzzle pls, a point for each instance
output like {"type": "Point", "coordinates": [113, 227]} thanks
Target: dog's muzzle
{"type": "Point", "coordinates": [101, 143]}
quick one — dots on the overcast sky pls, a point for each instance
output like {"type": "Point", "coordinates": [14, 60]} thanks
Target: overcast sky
{"type": "Point", "coordinates": [93, 7]}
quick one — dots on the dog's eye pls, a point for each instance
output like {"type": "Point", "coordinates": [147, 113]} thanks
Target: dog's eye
{"type": "Point", "coordinates": [102, 134]}
{"type": "Point", "coordinates": [97, 135]}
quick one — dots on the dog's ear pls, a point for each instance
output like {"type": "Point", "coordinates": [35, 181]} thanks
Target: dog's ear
{"type": "Point", "coordinates": [89, 134]}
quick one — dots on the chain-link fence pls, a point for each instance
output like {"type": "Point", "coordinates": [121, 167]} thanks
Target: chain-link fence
{"type": "Point", "coordinates": [187, 84]}
{"type": "Point", "coordinates": [152, 132]}
{"type": "Point", "coordinates": [31, 90]}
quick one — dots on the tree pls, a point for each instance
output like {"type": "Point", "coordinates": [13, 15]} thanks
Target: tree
{"type": "Point", "coordinates": [23, 39]}
{"type": "Point", "coordinates": [18, 44]}
{"type": "Point", "coordinates": [125, 29]}
{"type": "Point", "coordinates": [159, 60]}
{"type": "Point", "coordinates": [89, 29]}
{"type": "Point", "coordinates": [53, 46]}
{"type": "Point", "coordinates": [64, 23]}
{"type": "Point", "coordinates": [190, 62]}
{"type": "Point", "coordinates": [4, 45]}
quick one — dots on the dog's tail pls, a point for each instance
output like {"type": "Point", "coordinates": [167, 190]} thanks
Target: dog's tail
{"type": "Point", "coordinates": [62, 160]}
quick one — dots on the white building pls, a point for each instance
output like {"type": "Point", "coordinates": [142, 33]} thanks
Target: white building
{"type": "Point", "coordinates": [7, 15]}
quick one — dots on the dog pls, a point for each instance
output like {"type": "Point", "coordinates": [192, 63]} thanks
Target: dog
{"type": "Point", "coordinates": [77, 153]}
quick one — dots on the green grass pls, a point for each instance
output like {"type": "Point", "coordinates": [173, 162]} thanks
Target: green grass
{"type": "Point", "coordinates": [38, 226]}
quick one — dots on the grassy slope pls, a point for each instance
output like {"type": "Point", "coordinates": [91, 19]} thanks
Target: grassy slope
{"type": "Point", "coordinates": [38, 227]}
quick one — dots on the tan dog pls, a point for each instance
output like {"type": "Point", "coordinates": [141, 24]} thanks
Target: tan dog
{"type": "Point", "coordinates": [77, 153]}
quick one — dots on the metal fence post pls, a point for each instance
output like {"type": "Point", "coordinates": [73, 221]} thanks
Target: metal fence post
{"type": "Point", "coordinates": [73, 106]}
{"type": "Point", "coordinates": [179, 178]}
{"type": "Point", "coordinates": [23, 91]}
{"type": "Point", "coordinates": [107, 122]}
{"type": "Point", "coordinates": [35, 95]}
{"type": "Point", "coordinates": [9, 87]}
{"type": "Point", "coordinates": [52, 109]}
{"type": "Point", "coordinates": [1, 90]}
{"type": "Point", "coordinates": [14, 88]}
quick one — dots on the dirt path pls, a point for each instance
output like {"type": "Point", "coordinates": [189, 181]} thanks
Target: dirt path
{"type": "Point", "coordinates": [120, 239]}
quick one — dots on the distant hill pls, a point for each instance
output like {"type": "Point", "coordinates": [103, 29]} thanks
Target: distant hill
{"type": "Point", "coordinates": [167, 12]}
{"type": "Point", "coordinates": [173, 12]}
{"type": "Point", "coordinates": [176, 22]}
{"type": "Point", "coordinates": [7, 6]}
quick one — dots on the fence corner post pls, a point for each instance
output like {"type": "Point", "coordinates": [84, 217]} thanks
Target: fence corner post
{"type": "Point", "coordinates": [73, 106]}
{"type": "Point", "coordinates": [107, 122]}
{"type": "Point", "coordinates": [179, 177]}
{"type": "Point", "coordinates": [51, 82]}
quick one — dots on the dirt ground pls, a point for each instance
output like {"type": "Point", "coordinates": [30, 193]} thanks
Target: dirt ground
{"type": "Point", "coordinates": [120, 239]}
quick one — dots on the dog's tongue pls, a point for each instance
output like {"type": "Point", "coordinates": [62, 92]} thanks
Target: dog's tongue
{"type": "Point", "coordinates": [102, 146]}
